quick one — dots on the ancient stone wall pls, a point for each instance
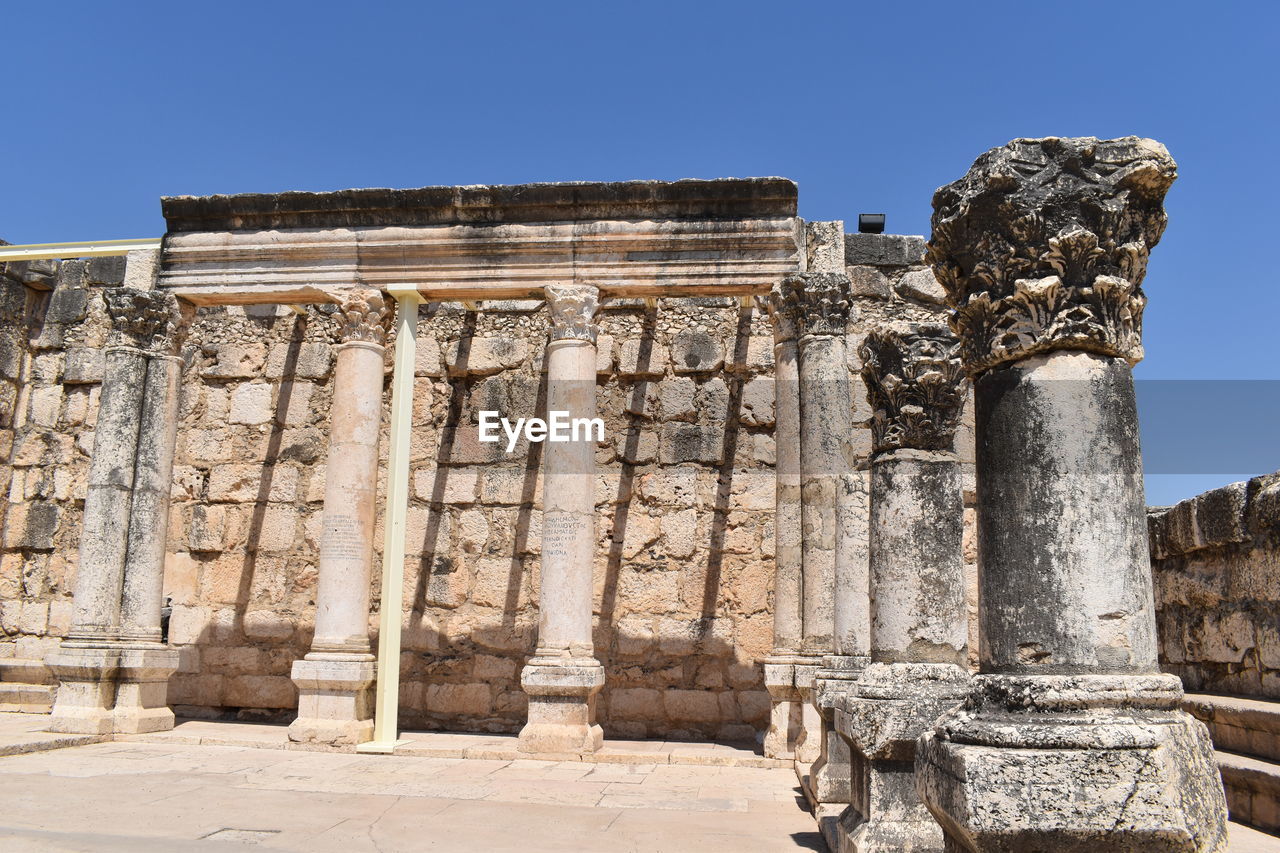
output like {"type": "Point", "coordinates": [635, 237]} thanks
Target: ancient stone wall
{"type": "Point", "coordinates": [1216, 559]}
{"type": "Point", "coordinates": [51, 331]}
{"type": "Point", "coordinates": [685, 493]}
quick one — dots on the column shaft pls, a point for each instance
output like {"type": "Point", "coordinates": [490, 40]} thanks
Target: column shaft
{"type": "Point", "coordinates": [563, 677]}
{"type": "Point", "coordinates": [335, 679]}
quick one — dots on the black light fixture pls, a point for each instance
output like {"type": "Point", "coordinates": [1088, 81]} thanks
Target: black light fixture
{"type": "Point", "coordinates": [870, 223]}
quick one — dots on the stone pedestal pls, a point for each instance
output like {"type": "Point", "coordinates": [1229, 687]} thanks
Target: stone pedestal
{"type": "Point", "coordinates": [86, 696]}
{"type": "Point", "coordinates": [563, 677]}
{"type": "Point", "coordinates": [786, 721]}
{"type": "Point", "coordinates": [1070, 739]}
{"type": "Point", "coordinates": [142, 689]}
{"type": "Point", "coordinates": [335, 679]}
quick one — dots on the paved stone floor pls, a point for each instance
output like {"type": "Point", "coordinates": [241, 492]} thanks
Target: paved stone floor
{"type": "Point", "coordinates": [183, 791]}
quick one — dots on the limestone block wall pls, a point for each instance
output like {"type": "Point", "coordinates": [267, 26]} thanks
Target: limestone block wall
{"type": "Point", "coordinates": [685, 493]}
{"type": "Point", "coordinates": [1216, 562]}
{"type": "Point", "coordinates": [51, 332]}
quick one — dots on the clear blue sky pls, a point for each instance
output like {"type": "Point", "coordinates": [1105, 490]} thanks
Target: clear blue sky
{"type": "Point", "coordinates": [868, 106]}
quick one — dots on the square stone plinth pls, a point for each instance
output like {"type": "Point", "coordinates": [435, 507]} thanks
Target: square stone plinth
{"type": "Point", "coordinates": [562, 708]}
{"type": "Point", "coordinates": [335, 700]}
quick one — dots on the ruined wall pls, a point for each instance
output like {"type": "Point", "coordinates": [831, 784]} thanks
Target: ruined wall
{"type": "Point", "coordinates": [1216, 562]}
{"type": "Point", "coordinates": [51, 331]}
{"type": "Point", "coordinates": [685, 492]}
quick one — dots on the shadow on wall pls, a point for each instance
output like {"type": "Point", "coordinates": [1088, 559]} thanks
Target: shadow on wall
{"type": "Point", "coordinates": [683, 581]}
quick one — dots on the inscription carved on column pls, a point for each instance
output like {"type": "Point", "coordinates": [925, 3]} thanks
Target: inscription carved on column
{"type": "Point", "coordinates": [572, 308]}
{"type": "Point", "coordinates": [916, 385]}
{"type": "Point", "coordinates": [559, 532]}
{"type": "Point", "coordinates": [365, 315]}
{"type": "Point", "coordinates": [343, 537]}
{"type": "Point", "coordinates": [816, 303]}
{"type": "Point", "coordinates": [1043, 246]}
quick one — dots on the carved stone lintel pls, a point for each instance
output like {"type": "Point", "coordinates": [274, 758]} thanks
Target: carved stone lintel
{"type": "Point", "coordinates": [816, 303]}
{"type": "Point", "coordinates": [1043, 246]}
{"type": "Point", "coordinates": [572, 308]}
{"type": "Point", "coordinates": [916, 385]}
{"type": "Point", "coordinates": [365, 315]}
{"type": "Point", "coordinates": [151, 320]}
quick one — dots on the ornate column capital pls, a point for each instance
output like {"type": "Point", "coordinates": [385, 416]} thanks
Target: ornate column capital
{"type": "Point", "coordinates": [816, 303]}
{"type": "Point", "coordinates": [365, 315]}
{"type": "Point", "coordinates": [154, 321]}
{"type": "Point", "coordinates": [572, 308]}
{"type": "Point", "coordinates": [916, 385]}
{"type": "Point", "coordinates": [781, 314]}
{"type": "Point", "coordinates": [1043, 246]}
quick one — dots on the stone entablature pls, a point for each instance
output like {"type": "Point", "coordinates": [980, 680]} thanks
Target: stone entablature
{"type": "Point", "coordinates": [647, 239]}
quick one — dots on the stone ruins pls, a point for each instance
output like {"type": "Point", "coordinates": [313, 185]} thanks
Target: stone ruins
{"type": "Point", "coordinates": [871, 503]}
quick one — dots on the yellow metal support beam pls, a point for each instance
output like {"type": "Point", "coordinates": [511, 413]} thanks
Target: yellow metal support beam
{"type": "Point", "coordinates": [91, 249]}
{"type": "Point", "coordinates": [387, 704]}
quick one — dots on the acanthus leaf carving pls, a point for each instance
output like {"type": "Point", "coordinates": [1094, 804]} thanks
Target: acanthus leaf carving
{"type": "Point", "coordinates": [572, 309]}
{"type": "Point", "coordinates": [916, 386]}
{"type": "Point", "coordinates": [154, 321]}
{"type": "Point", "coordinates": [1043, 245]}
{"type": "Point", "coordinates": [365, 315]}
{"type": "Point", "coordinates": [815, 303]}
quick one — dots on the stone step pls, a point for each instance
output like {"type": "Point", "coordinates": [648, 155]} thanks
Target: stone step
{"type": "Point", "coordinates": [25, 671]}
{"type": "Point", "coordinates": [25, 698]}
{"type": "Point", "coordinates": [1239, 725]}
{"type": "Point", "coordinates": [1253, 790]}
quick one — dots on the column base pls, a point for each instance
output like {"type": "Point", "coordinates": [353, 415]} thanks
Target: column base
{"type": "Point", "coordinates": [785, 713]}
{"type": "Point", "coordinates": [86, 697]}
{"type": "Point", "coordinates": [880, 718]}
{"type": "Point", "coordinates": [1073, 764]}
{"type": "Point", "coordinates": [562, 707]}
{"type": "Point", "coordinates": [142, 689]}
{"type": "Point", "coordinates": [335, 699]}
{"type": "Point", "coordinates": [809, 744]}
{"type": "Point", "coordinates": [828, 778]}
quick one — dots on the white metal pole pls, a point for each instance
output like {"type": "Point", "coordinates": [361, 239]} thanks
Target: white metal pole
{"type": "Point", "coordinates": [387, 705]}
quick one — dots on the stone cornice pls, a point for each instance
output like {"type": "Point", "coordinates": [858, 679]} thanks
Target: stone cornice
{"type": "Point", "coordinates": [548, 202]}
{"type": "Point", "coordinates": [1043, 246]}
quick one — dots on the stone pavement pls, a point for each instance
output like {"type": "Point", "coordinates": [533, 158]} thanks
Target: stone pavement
{"type": "Point", "coordinates": [233, 786]}
{"type": "Point", "coordinates": [174, 797]}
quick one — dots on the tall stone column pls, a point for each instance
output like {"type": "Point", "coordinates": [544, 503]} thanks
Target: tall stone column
{"type": "Point", "coordinates": [335, 679]}
{"type": "Point", "coordinates": [1071, 738]}
{"type": "Point", "coordinates": [786, 718]}
{"type": "Point", "coordinates": [111, 669]}
{"type": "Point", "coordinates": [919, 623]}
{"type": "Point", "coordinates": [563, 677]}
{"type": "Point", "coordinates": [821, 305]}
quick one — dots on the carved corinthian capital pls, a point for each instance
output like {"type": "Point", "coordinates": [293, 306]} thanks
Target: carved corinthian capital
{"type": "Point", "coordinates": [151, 320]}
{"type": "Point", "coordinates": [781, 315]}
{"type": "Point", "coordinates": [816, 303]}
{"type": "Point", "coordinates": [916, 385]}
{"type": "Point", "coordinates": [1043, 246]}
{"type": "Point", "coordinates": [572, 308]}
{"type": "Point", "coordinates": [365, 315]}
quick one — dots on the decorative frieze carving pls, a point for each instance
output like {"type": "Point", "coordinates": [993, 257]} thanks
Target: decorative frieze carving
{"type": "Point", "coordinates": [365, 315]}
{"type": "Point", "coordinates": [817, 303]}
{"type": "Point", "coordinates": [916, 385]}
{"type": "Point", "coordinates": [572, 308]}
{"type": "Point", "coordinates": [1043, 246]}
{"type": "Point", "coordinates": [151, 320]}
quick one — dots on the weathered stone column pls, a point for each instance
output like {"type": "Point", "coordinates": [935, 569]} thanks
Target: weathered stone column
{"type": "Point", "coordinates": [135, 417]}
{"type": "Point", "coordinates": [786, 718]}
{"type": "Point", "coordinates": [919, 623]}
{"type": "Point", "coordinates": [1071, 739]}
{"type": "Point", "coordinates": [141, 702]}
{"type": "Point", "coordinates": [563, 677]}
{"type": "Point", "coordinates": [821, 303]}
{"type": "Point", "coordinates": [335, 679]}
